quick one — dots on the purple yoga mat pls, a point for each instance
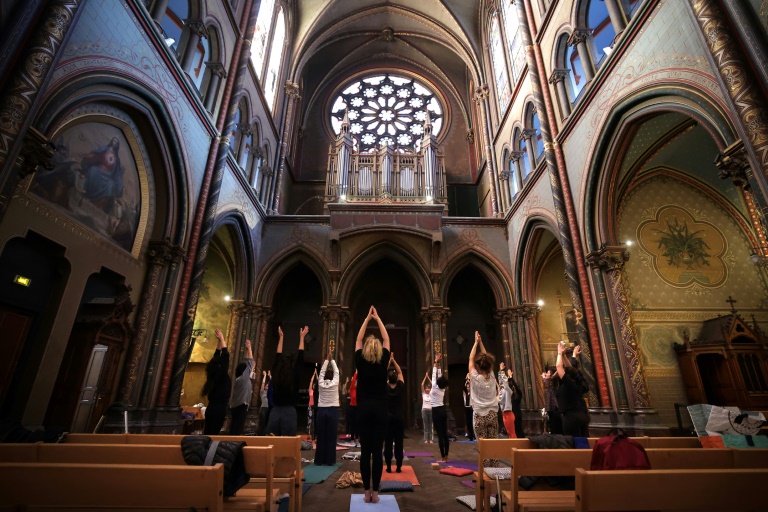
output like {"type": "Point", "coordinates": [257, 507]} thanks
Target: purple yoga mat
{"type": "Point", "coordinates": [418, 454]}
{"type": "Point", "coordinates": [468, 483]}
{"type": "Point", "coordinates": [456, 464]}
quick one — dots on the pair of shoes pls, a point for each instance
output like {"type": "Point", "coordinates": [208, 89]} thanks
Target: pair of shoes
{"type": "Point", "coordinates": [389, 469]}
{"type": "Point", "coordinates": [398, 470]}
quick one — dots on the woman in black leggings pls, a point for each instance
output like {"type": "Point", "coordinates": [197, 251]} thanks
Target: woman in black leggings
{"type": "Point", "coordinates": [371, 358]}
{"type": "Point", "coordinates": [439, 413]}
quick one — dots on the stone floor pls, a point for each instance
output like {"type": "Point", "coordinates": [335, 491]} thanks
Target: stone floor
{"type": "Point", "coordinates": [436, 492]}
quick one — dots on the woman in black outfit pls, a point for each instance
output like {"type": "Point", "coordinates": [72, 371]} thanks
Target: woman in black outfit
{"type": "Point", "coordinates": [439, 412]}
{"type": "Point", "coordinates": [217, 387]}
{"type": "Point", "coordinates": [371, 359]}
{"type": "Point", "coordinates": [395, 417]}
{"type": "Point", "coordinates": [570, 396]}
{"type": "Point", "coordinates": [468, 411]}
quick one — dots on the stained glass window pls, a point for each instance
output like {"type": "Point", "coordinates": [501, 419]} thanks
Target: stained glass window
{"type": "Point", "coordinates": [387, 109]}
{"type": "Point", "coordinates": [499, 66]}
{"type": "Point", "coordinates": [275, 59]}
{"type": "Point", "coordinates": [514, 39]}
{"type": "Point", "coordinates": [260, 35]}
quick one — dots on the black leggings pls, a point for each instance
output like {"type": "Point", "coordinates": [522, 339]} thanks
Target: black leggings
{"type": "Point", "coordinates": [468, 414]}
{"type": "Point", "coordinates": [440, 420]}
{"type": "Point", "coordinates": [576, 423]}
{"type": "Point", "coordinates": [372, 424]}
{"type": "Point", "coordinates": [395, 434]}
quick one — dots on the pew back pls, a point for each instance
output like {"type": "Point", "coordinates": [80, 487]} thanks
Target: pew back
{"type": "Point", "coordinates": [690, 489]}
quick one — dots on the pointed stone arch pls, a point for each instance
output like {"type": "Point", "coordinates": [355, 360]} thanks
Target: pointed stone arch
{"type": "Point", "coordinates": [498, 279]}
{"type": "Point", "coordinates": [284, 262]}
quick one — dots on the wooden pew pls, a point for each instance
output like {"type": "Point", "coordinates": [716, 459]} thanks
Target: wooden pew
{"type": "Point", "coordinates": [565, 462]}
{"type": "Point", "coordinates": [499, 449]}
{"type": "Point", "coordinates": [287, 452]}
{"type": "Point", "coordinates": [80, 486]}
{"type": "Point", "coordinates": [259, 463]}
{"type": "Point", "coordinates": [690, 489]}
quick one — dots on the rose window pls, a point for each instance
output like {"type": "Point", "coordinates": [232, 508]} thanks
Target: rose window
{"type": "Point", "coordinates": [387, 110]}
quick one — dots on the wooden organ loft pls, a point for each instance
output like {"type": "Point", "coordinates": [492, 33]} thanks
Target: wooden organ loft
{"type": "Point", "coordinates": [386, 175]}
{"type": "Point", "coordinates": [726, 364]}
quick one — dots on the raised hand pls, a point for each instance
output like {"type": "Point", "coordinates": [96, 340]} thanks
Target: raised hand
{"type": "Point", "coordinates": [304, 330]}
{"type": "Point", "coordinates": [219, 334]}
{"type": "Point", "coordinates": [561, 347]}
{"type": "Point", "coordinates": [576, 350]}
{"type": "Point", "coordinates": [280, 331]}
{"type": "Point", "coordinates": [437, 357]}
{"type": "Point", "coordinates": [374, 313]}
{"type": "Point", "coordinates": [248, 344]}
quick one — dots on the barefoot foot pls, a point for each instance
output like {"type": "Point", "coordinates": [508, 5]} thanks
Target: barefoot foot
{"type": "Point", "coordinates": [374, 497]}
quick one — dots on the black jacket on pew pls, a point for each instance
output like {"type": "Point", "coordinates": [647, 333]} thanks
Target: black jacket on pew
{"type": "Point", "coordinates": [195, 450]}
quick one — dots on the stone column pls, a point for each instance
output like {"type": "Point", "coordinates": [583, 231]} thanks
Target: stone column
{"type": "Point", "coordinates": [515, 156]}
{"type": "Point", "coordinates": [333, 318]}
{"type": "Point", "coordinates": [23, 84]}
{"type": "Point", "coordinates": [615, 12]}
{"type": "Point", "coordinates": [611, 260]}
{"type": "Point", "coordinates": [238, 316]}
{"type": "Point", "coordinates": [160, 256]}
{"type": "Point", "coordinates": [558, 79]}
{"type": "Point", "coordinates": [292, 94]}
{"type": "Point", "coordinates": [579, 40]}
{"type": "Point", "coordinates": [504, 177]}
{"type": "Point", "coordinates": [158, 10]}
{"type": "Point", "coordinates": [242, 160]}
{"type": "Point", "coordinates": [255, 171]}
{"type": "Point", "coordinates": [197, 31]}
{"type": "Point", "coordinates": [481, 99]}
{"type": "Point", "coordinates": [217, 74]}
{"type": "Point", "coordinates": [747, 96]}
{"type": "Point", "coordinates": [734, 165]}
{"type": "Point", "coordinates": [266, 184]}
{"type": "Point", "coordinates": [529, 135]}
{"type": "Point", "coordinates": [262, 316]}
{"type": "Point", "coordinates": [528, 314]}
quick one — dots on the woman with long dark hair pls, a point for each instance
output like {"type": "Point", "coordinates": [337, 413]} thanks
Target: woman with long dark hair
{"type": "Point", "coordinates": [327, 418]}
{"type": "Point", "coordinates": [395, 417]}
{"type": "Point", "coordinates": [285, 387]}
{"type": "Point", "coordinates": [371, 358]}
{"type": "Point", "coordinates": [468, 411]}
{"type": "Point", "coordinates": [484, 391]}
{"type": "Point", "coordinates": [217, 387]}
{"type": "Point", "coordinates": [264, 409]}
{"type": "Point", "coordinates": [439, 412]}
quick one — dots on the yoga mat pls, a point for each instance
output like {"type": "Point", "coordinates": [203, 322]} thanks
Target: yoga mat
{"type": "Point", "coordinates": [468, 483]}
{"type": "Point", "coordinates": [316, 474]}
{"type": "Point", "coordinates": [407, 474]}
{"type": "Point", "coordinates": [418, 454]}
{"type": "Point", "coordinates": [348, 444]}
{"type": "Point", "coordinates": [456, 464]}
{"type": "Point", "coordinates": [387, 503]}
{"type": "Point", "coordinates": [307, 487]}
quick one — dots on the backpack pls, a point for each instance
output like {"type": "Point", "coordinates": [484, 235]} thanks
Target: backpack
{"type": "Point", "coordinates": [618, 452]}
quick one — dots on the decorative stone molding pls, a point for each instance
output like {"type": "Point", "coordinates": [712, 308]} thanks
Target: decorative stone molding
{"type": "Point", "coordinates": [733, 164]}
{"type": "Point", "coordinates": [580, 35]}
{"type": "Point", "coordinates": [481, 93]}
{"type": "Point", "coordinates": [388, 34]}
{"type": "Point", "coordinates": [609, 258]}
{"type": "Point", "coordinates": [515, 155]}
{"type": "Point", "coordinates": [197, 27]}
{"type": "Point", "coordinates": [558, 75]}
{"type": "Point", "coordinates": [471, 136]}
{"type": "Point", "coordinates": [36, 151]}
{"type": "Point", "coordinates": [292, 90]}
{"type": "Point", "coordinates": [217, 68]}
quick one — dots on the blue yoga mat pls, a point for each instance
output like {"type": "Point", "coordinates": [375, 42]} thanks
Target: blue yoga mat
{"type": "Point", "coordinates": [387, 503]}
{"type": "Point", "coordinates": [316, 474]}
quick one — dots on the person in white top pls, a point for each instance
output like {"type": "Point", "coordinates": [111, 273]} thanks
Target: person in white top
{"type": "Point", "coordinates": [327, 421]}
{"type": "Point", "coordinates": [426, 408]}
{"type": "Point", "coordinates": [484, 392]}
{"type": "Point", "coordinates": [439, 412]}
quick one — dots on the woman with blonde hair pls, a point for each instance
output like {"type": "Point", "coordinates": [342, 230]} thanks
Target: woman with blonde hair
{"type": "Point", "coordinates": [371, 358]}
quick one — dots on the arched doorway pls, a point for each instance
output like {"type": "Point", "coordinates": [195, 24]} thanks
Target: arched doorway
{"type": "Point", "coordinates": [386, 285]}
{"type": "Point", "coordinates": [472, 305]}
{"type": "Point", "coordinates": [296, 303]}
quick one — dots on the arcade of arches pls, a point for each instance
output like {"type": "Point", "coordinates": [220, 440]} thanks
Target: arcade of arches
{"type": "Point", "coordinates": [534, 170]}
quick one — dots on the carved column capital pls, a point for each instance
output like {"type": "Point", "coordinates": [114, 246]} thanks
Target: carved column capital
{"type": "Point", "coordinates": [246, 130]}
{"type": "Point", "coordinates": [558, 75]}
{"type": "Point", "coordinates": [471, 136]}
{"type": "Point", "coordinates": [267, 171]}
{"type": "Point", "coordinates": [217, 68]}
{"type": "Point", "coordinates": [504, 175]}
{"type": "Point", "coordinates": [579, 35]}
{"type": "Point", "coordinates": [506, 315]}
{"type": "Point", "coordinates": [36, 151]}
{"type": "Point", "coordinates": [515, 155]}
{"type": "Point", "coordinates": [292, 90]}
{"type": "Point", "coordinates": [609, 258]}
{"type": "Point", "coordinates": [528, 133]}
{"type": "Point", "coordinates": [528, 310]}
{"type": "Point", "coordinates": [162, 252]}
{"type": "Point", "coordinates": [196, 27]}
{"type": "Point", "coordinates": [481, 93]}
{"type": "Point", "coordinates": [733, 164]}
{"type": "Point", "coordinates": [262, 312]}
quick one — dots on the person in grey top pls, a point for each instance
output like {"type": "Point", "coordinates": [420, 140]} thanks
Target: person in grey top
{"type": "Point", "coordinates": [241, 395]}
{"type": "Point", "coordinates": [264, 409]}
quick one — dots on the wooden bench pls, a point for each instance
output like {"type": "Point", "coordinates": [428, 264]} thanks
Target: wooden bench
{"type": "Point", "coordinates": [565, 463]}
{"type": "Point", "coordinates": [287, 454]}
{"type": "Point", "coordinates": [690, 489]}
{"type": "Point", "coordinates": [500, 449]}
{"type": "Point", "coordinates": [81, 486]}
{"type": "Point", "coordinates": [259, 463]}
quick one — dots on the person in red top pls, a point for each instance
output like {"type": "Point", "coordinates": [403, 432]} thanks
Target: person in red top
{"type": "Point", "coordinates": [352, 418]}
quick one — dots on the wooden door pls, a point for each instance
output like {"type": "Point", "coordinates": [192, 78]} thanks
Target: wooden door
{"type": "Point", "coordinates": [15, 327]}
